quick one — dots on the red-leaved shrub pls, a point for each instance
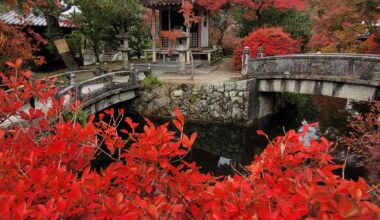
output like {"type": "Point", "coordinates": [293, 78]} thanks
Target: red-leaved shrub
{"type": "Point", "coordinates": [364, 140]}
{"type": "Point", "coordinates": [373, 44]}
{"type": "Point", "coordinates": [274, 40]}
{"type": "Point", "coordinates": [45, 170]}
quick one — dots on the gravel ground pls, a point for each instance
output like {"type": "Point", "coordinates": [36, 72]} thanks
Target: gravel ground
{"type": "Point", "coordinates": [220, 72]}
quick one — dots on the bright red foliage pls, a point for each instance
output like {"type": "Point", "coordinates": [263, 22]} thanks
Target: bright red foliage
{"type": "Point", "coordinates": [274, 40]}
{"type": "Point", "coordinates": [373, 44]}
{"type": "Point", "coordinates": [14, 43]}
{"type": "Point", "coordinates": [45, 171]}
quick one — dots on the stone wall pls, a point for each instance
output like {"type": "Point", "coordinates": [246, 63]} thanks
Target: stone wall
{"type": "Point", "coordinates": [226, 102]}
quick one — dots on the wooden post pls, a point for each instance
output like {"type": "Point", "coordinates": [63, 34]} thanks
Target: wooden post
{"type": "Point", "coordinates": [154, 59]}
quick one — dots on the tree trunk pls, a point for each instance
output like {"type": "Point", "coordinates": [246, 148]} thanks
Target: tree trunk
{"type": "Point", "coordinates": [59, 41]}
{"type": "Point", "coordinates": [188, 33]}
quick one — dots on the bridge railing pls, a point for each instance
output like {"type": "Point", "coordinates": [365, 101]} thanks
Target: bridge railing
{"type": "Point", "coordinates": [355, 66]}
{"type": "Point", "coordinates": [70, 78]}
{"type": "Point", "coordinates": [107, 81]}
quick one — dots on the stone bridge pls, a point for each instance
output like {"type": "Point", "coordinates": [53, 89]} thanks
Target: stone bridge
{"type": "Point", "coordinates": [350, 76]}
{"type": "Point", "coordinates": [99, 91]}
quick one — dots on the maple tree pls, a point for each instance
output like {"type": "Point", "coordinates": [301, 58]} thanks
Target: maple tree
{"type": "Point", "coordinates": [190, 18]}
{"type": "Point", "coordinates": [15, 43]}
{"type": "Point", "coordinates": [255, 7]}
{"type": "Point", "coordinates": [341, 22]}
{"type": "Point", "coordinates": [172, 36]}
{"type": "Point", "coordinates": [46, 172]}
{"type": "Point", "coordinates": [51, 10]}
{"type": "Point", "coordinates": [274, 41]}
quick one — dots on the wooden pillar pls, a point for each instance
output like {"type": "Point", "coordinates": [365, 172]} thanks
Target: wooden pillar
{"type": "Point", "coordinates": [154, 35]}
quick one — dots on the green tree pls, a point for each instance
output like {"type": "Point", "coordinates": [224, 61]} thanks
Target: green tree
{"type": "Point", "coordinates": [139, 39]}
{"type": "Point", "coordinates": [101, 21]}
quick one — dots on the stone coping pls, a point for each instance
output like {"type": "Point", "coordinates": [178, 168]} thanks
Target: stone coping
{"type": "Point", "coordinates": [322, 57]}
{"type": "Point", "coordinates": [341, 79]}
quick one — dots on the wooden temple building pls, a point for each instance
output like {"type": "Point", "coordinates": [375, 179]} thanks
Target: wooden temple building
{"type": "Point", "coordinates": [166, 11]}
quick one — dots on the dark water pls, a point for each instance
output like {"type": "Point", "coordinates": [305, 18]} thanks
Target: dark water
{"type": "Point", "coordinates": [220, 146]}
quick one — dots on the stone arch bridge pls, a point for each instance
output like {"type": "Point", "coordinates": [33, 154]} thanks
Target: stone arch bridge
{"type": "Point", "coordinates": [101, 90]}
{"type": "Point", "coordinates": [97, 92]}
{"type": "Point", "coordinates": [350, 76]}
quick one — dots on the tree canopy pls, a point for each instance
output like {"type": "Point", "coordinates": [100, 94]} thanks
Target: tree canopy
{"type": "Point", "coordinates": [337, 24]}
{"type": "Point", "coordinates": [101, 21]}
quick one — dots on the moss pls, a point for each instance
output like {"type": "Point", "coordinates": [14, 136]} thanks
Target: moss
{"type": "Point", "coordinates": [152, 80]}
{"type": "Point", "coordinates": [80, 117]}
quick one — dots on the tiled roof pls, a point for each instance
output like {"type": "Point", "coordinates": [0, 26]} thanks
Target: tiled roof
{"type": "Point", "coordinates": [14, 18]}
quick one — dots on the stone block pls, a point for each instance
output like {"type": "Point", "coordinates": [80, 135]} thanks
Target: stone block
{"type": "Point", "coordinates": [208, 88]}
{"type": "Point", "coordinates": [219, 88]}
{"type": "Point", "coordinates": [233, 93]}
{"type": "Point", "coordinates": [241, 85]}
{"type": "Point", "coordinates": [177, 93]}
{"type": "Point", "coordinates": [217, 95]}
{"type": "Point", "coordinates": [230, 86]}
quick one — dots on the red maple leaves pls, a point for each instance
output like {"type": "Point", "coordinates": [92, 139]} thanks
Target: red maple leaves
{"type": "Point", "coordinates": [46, 174]}
{"type": "Point", "coordinates": [274, 41]}
{"type": "Point", "coordinates": [214, 5]}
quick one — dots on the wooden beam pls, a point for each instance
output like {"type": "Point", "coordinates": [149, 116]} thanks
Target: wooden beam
{"type": "Point", "coordinates": [154, 59]}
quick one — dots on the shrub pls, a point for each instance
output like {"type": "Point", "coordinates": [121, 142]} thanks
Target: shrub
{"type": "Point", "coordinates": [274, 40]}
{"type": "Point", "coordinates": [364, 140]}
{"type": "Point", "coordinates": [152, 80]}
{"type": "Point", "coordinates": [45, 170]}
{"type": "Point", "coordinates": [373, 44]}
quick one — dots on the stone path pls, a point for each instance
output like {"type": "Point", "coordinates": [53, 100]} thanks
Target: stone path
{"type": "Point", "coordinates": [220, 72]}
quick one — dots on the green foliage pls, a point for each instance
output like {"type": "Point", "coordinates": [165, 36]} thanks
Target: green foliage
{"type": "Point", "coordinates": [3, 7]}
{"type": "Point", "coordinates": [74, 40]}
{"type": "Point", "coordinates": [152, 80]}
{"type": "Point", "coordinates": [139, 39]}
{"type": "Point", "coordinates": [302, 104]}
{"type": "Point", "coordinates": [77, 116]}
{"type": "Point", "coordinates": [297, 23]}
{"type": "Point", "coordinates": [100, 21]}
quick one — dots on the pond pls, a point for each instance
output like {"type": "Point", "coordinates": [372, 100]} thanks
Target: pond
{"type": "Point", "coordinates": [219, 147]}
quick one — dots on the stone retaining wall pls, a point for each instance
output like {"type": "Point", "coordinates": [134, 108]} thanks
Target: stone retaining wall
{"type": "Point", "coordinates": [225, 102]}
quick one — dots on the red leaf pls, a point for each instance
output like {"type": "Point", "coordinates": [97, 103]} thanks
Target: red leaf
{"type": "Point", "coordinates": [11, 65]}
{"type": "Point", "coordinates": [179, 115]}
{"type": "Point", "coordinates": [192, 138]}
{"type": "Point", "coordinates": [152, 211]}
{"type": "Point", "coordinates": [178, 125]}
{"type": "Point", "coordinates": [109, 111]}
{"type": "Point", "coordinates": [18, 63]}
{"type": "Point", "coordinates": [260, 132]}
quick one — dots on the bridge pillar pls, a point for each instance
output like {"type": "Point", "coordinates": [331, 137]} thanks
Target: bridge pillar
{"type": "Point", "coordinates": [261, 104]}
